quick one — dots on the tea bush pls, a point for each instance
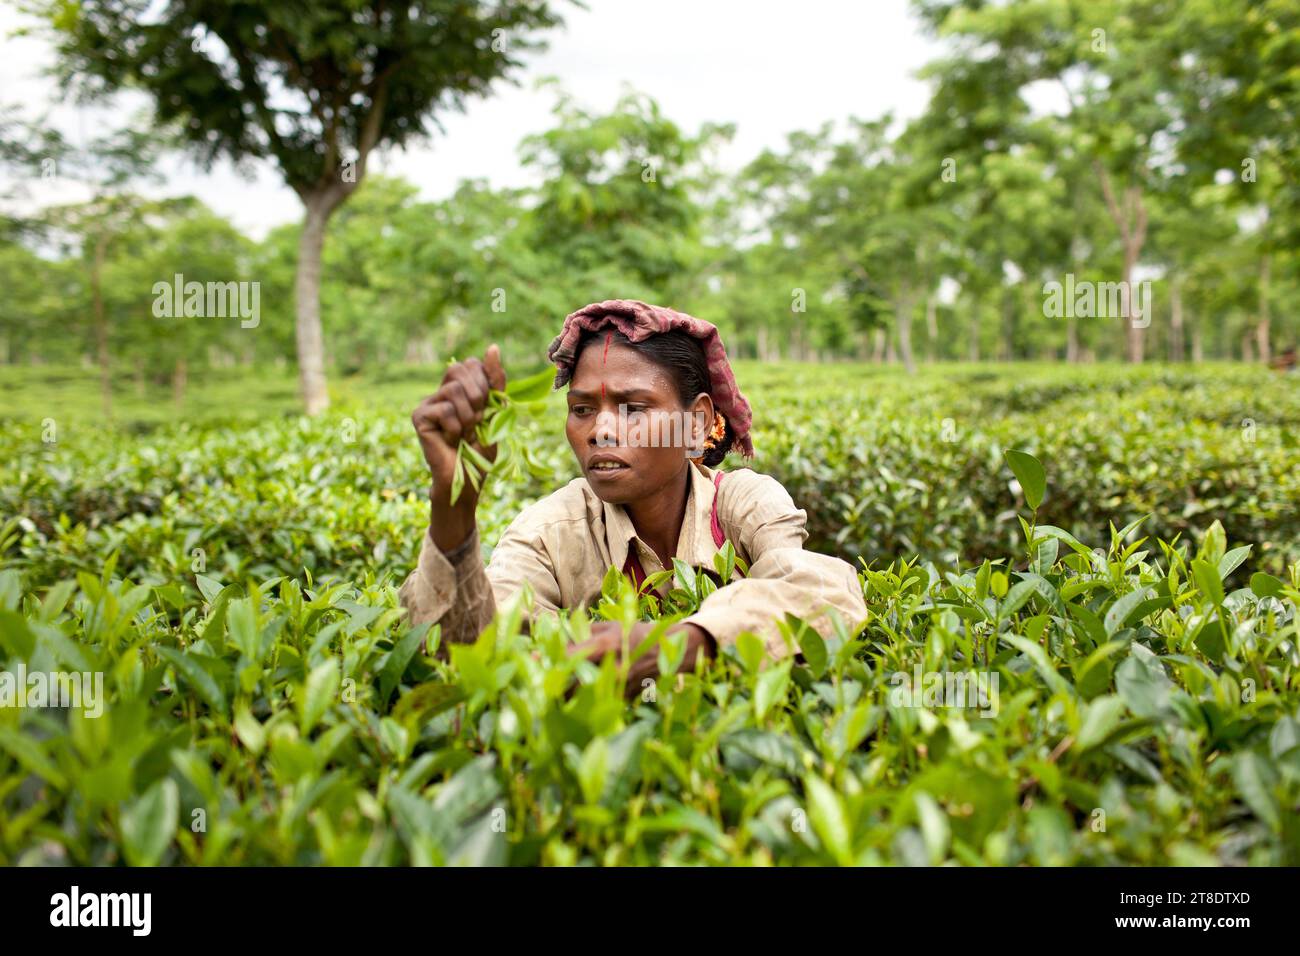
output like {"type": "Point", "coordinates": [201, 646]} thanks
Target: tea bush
{"type": "Point", "coordinates": [234, 582]}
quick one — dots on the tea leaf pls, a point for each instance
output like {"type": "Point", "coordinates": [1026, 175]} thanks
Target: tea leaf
{"type": "Point", "coordinates": [149, 824]}
{"type": "Point", "coordinates": [1029, 472]}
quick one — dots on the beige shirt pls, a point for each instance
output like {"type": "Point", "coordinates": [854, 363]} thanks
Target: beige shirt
{"type": "Point", "coordinates": [562, 546]}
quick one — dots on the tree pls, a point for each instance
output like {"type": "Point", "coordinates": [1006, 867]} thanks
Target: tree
{"type": "Point", "coordinates": [1113, 61]}
{"type": "Point", "coordinates": [107, 166]}
{"type": "Point", "coordinates": [618, 201]}
{"type": "Point", "coordinates": [856, 214]}
{"type": "Point", "coordinates": [315, 87]}
{"type": "Point", "coordinates": [27, 150]}
{"type": "Point", "coordinates": [1236, 66]}
{"type": "Point", "coordinates": [779, 288]}
{"type": "Point", "coordinates": [1191, 227]}
{"type": "Point", "coordinates": [188, 238]}
{"type": "Point", "coordinates": [94, 231]}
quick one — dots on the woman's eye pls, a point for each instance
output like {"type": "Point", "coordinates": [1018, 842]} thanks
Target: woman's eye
{"type": "Point", "coordinates": [579, 409]}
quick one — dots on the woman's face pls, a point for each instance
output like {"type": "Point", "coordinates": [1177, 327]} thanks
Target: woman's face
{"type": "Point", "coordinates": [626, 425]}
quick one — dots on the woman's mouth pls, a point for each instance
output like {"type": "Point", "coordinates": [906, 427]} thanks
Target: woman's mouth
{"type": "Point", "coordinates": [607, 468]}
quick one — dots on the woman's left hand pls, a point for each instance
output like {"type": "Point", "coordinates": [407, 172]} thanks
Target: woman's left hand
{"type": "Point", "coordinates": [607, 638]}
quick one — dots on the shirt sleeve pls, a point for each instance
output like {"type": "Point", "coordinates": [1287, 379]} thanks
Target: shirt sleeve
{"type": "Point", "coordinates": [450, 589]}
{"type": "Point", "coordinates": [783, 577]}
{"type": "Point", "coordinates": [456, 591]}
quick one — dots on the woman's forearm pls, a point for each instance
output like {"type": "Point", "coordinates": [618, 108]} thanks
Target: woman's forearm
{"type": "Point", "coordinates": [449, 525]}
{"type": "Point", "coordinates": [450, 589]}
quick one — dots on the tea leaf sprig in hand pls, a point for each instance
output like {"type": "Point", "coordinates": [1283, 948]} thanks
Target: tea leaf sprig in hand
{"type": "Point", "coordinates": [499, 427]}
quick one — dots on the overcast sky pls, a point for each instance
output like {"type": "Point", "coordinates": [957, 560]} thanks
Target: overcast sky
{"type": "Point", "coordinates": [769, 67]}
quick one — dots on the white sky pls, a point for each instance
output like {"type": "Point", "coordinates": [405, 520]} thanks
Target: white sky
{"type": "Point", "coordinates": [769, 66]}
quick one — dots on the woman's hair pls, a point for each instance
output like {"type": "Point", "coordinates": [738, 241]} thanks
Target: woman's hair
{"type": "Point", "coordinates": [682, 357]}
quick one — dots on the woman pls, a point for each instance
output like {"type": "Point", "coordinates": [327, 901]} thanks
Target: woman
{"type": "Point", "coordinates": [637, 373]}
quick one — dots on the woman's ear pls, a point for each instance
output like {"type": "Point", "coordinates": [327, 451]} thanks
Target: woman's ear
{"type": "Point", "coordinates": [700, 420]}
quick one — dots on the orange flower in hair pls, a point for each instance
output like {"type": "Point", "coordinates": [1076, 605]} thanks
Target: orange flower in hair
{"type": "Point", "coordinates": [719, 431]}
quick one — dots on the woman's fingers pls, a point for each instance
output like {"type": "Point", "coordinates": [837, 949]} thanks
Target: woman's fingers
{"type": "Point", "coordinates": [444, 413]}
{"type": "Point", "coordinates": [475, 381]}
{"type": "Point", "coordinates": [496, 374]}
{"type": "Point", "coordinates": [434, 415]}
{"type": "Point", "coordinates": [605, 637]}
{"type": "Point", "coordinates": [422, 418]}
{"type": "Point", "coordinates": [456, 393]}
{"type": "Point", "coordinates": [452, 413]}
{"type": "Point", "coordinates": [442, 421]}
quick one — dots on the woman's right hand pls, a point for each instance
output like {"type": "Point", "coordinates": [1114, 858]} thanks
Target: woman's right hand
{"type": "Point", "coordinates": [441, 421]}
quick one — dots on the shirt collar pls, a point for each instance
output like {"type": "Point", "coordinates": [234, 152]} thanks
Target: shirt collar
{"type": "Point", "coordinates": [694, 543]}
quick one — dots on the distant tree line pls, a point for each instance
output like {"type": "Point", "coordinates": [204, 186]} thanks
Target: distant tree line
{"type": "Point", "coordinates": [1169, 171]}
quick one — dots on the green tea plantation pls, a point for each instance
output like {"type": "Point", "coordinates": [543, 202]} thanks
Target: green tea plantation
{"type": "Point", "coordinates": [1103, 562]}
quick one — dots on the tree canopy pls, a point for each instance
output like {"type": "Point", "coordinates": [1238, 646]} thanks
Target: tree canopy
{"type": "Point", "coordinates": [1165, 158]}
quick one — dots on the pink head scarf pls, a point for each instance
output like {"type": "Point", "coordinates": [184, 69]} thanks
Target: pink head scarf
{"type": "Point", "coordinates": [638, 321]}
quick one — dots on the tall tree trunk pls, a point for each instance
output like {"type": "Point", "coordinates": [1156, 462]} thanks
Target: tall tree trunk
{"type": "Point", "coordinates": [101, 325]}
{"type": "Point", "coordinates": [931, 327]}
{"type": "Point", "coordinates": [180, 379]}
{"type": "Point", "coordinates": [1247, 346]}
{"type": "Point", "coordinates": [1131, 221]}
{"type": "Point", "coordinates": [1261, 329]}
{"type": "Point", "coordinates": [311, 342]}
{"type": "Point", "coordinates": [973, 341]}
{"type": "Point", "coordinates": [1198, 348]}
{"type": "Point", "coordinates": [1176, 319]}
{"type": "Point", "coordinates": [320, 201]}
{"type": "Point", "coordinates": [1135, 336]}
{"type": "Point", "coordinates": [1007, 348]}
{"type": "Point", "coordinates": [877, 345]}
{"type": "Point", "coordinates": [1072, 350]}
{"type": "Point", "coordinates": [903, 320]}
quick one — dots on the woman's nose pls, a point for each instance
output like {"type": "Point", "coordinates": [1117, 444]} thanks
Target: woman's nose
{"type": "Point", "coordinates": [605, 432]}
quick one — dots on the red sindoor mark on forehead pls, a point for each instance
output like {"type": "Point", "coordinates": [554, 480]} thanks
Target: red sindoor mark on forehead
{"type": "Point", "coordinates": [605, 358]}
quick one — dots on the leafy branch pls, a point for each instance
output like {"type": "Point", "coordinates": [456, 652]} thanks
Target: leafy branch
{"type": "Point", "coordinates": [500, 426]}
